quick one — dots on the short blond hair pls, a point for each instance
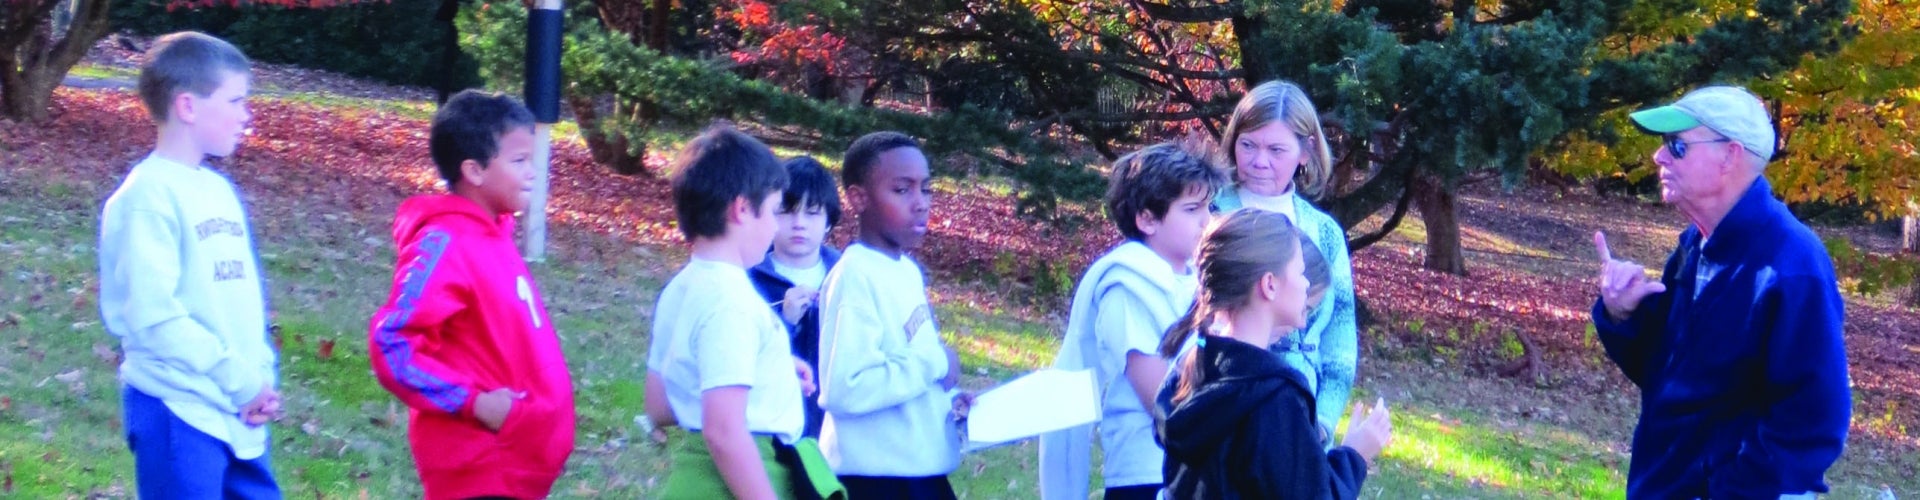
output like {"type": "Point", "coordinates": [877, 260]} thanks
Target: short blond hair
{"type": "Point", "coordinates": [187, 61]}
{"type": "Point", "coordinates": [1282, 101]}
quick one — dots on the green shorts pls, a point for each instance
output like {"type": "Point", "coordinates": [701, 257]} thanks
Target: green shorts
{"type": "Point", "coordinates": [693, 475]}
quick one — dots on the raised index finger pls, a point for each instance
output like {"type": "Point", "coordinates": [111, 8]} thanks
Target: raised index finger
{"type": "Point", "coordinates": [1600, 243]}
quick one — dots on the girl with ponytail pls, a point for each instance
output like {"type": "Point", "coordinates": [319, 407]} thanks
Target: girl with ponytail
{"type": "Point", "coordinates": [1242, 422]}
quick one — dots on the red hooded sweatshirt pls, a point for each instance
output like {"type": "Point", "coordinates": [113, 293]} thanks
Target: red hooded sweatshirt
{"type": "Point", "coordinates": [464, 318]}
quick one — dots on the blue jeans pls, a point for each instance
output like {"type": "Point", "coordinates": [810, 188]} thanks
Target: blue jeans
{"type": "Point", "coordinates": [174, 460]}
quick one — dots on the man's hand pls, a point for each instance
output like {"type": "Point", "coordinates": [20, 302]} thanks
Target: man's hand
{"type": "Point", "coordinates": [1622, 283]}
{"type": "Point", "coordinates": [492, 407]}
{"type": "Point", "coordinates": [797, 301]}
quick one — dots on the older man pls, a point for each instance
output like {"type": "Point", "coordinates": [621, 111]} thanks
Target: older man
{"type": "Point", "coordinates": [1737, 346]}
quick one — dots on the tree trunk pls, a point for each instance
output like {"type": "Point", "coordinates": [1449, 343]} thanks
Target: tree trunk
{"type": "Point", "coordinates": [1910, 234]}
{"type": "Point", "coordinates": [1910, 245]}
{"type": "Point", "coordinates": [609, 148]}
{"type": "Point", "coordinates": [27, 93]}
{"type": "Point", "coordinates": [1437, 209]}
{"type": "Point", "coordinates": [1253, 56]}
{"type": "Point", "coordinates": [657, 30]}
{"type": "Point", "coordinates": [443, 84]}
{"type": "Point", "coordinates": [1530, 365]}
{"type": "Point", "coordinates": [613, 148]}
{"type": "Point", "coordinates": [32, 63]}
{"type": "Point", "coordinates": [14, 96]}
{"type": "Point", "coordinates": [657, 24]}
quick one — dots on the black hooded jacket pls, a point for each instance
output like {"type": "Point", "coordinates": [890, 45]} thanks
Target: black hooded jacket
{"type": "Point", "coordinates": [1249, 432]}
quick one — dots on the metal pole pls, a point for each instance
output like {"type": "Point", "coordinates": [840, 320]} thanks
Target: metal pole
{"type": "Point", "coordinates": [536, 216]}
{"type": "Point", "coordinates": [543, 98]}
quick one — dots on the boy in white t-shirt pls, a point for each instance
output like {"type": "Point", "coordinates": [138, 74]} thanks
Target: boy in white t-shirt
{"type": "Point", "coordinates": [719, 358]}
{"type": "Point", "coordinates": [1158, 198]}
{"type": "Point", "coordinates": [888, 380]}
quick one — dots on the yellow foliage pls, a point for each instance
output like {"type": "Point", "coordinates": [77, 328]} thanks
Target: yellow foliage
{"type": "Point", "coordinates": [1850, 122]}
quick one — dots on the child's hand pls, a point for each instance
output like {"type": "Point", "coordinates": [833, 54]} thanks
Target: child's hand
{"type": "Point", "coordinates": [1369, 431]}
{"type": "Point", "coordinates": [655, 434]}
{"type": "Point", "coordinates": [491, 407]}
{"type": "Point", "coordinates": [805, 371]}
{"type": "Point", "coordinates": [796, 303]}
{"type": "Point", "coordinates": [264, 408]}
{"type": "Point", "coordinates": [962, 404]}
{"type": "Point", "coordinates": [953, 370]}
{"type": "Point", "coordinates": [272, 410]}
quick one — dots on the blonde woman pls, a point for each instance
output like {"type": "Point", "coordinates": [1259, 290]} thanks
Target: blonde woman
{"type": "Point", "coordinates": [1280, 161]}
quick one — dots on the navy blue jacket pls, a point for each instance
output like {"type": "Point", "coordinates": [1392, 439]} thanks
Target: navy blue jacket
{"type": "Point", "coordinates": [805, 335]}
{"type": "Point", "coordinates": [1740, 363]}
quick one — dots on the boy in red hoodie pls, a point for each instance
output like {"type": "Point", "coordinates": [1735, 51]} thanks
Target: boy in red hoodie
{"type": "Point", "coordinates": [464, 339]}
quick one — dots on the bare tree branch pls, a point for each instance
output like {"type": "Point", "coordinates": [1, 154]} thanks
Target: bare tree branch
{"type": "Point", "coordinates": [1195, 14]}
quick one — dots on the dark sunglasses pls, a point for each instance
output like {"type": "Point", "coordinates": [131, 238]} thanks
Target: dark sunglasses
{"type": "Point", "coordinates": [1678, 148]}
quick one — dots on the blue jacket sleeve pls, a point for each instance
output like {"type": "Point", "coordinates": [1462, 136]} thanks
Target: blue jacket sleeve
{"type": "Point", "coordinates": [1802, 431]}
{"type": "Point", "coordinates": [1339, 334]}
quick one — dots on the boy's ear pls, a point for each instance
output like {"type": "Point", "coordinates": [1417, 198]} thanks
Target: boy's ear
{"type": "Point", "coordinates": [740, 211]}
{"type": "Point", "coordinates": [1146, 222]}
{"type": "Point", "coordinates": [856, 199]}
{"type": "Point", "coordinates": [471, 170]}
{"type": "Point", "coordinates": [181, 108]}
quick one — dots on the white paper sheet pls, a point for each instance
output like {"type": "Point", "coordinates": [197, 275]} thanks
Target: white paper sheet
{"type": "Point", "coordinates": [1037, 403]}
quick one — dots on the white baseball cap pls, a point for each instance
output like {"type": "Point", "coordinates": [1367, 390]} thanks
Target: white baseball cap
{"type": "Point", "coordinates": [1731, 111]}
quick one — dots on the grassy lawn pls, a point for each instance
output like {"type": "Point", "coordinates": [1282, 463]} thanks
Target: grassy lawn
{"type": "Point", "coordinates": [329, 267]}
{"type": "Point", "coordinates": [410, 109]}
{"type": "Point", "coordinates": [104, 72]}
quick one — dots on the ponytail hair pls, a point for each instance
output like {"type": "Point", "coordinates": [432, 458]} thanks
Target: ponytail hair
{"type": "Point", "coordinates": [1236, 251]}
{"type": "Point", "coordinates": [1318, 270]}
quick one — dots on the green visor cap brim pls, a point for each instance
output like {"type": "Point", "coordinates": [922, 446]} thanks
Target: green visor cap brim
{"type": "Point", "coordinates": [1664, 120]}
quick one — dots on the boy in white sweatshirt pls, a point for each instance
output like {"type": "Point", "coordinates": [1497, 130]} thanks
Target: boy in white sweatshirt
{"type": "Point", "coordinates": [886, 376]}
{"type": "Point", "coordinates": [1157, 197]}
{"type": "Point", "coordinates": [180, 286]}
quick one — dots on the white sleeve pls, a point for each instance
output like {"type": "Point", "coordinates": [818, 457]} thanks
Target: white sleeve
{"type": "Point", "coordinates": [1124, 325]}
{"type": "Point", "coordinates": [724, 350]}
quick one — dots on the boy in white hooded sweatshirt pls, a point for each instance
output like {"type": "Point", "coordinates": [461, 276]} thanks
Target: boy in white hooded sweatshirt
{"type": "Point", "coordinates": [180, 286]}
{"type": "Point", "coordinates": [1158, 198]}
{"type": "Point", "coordinates": [886, 376]}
